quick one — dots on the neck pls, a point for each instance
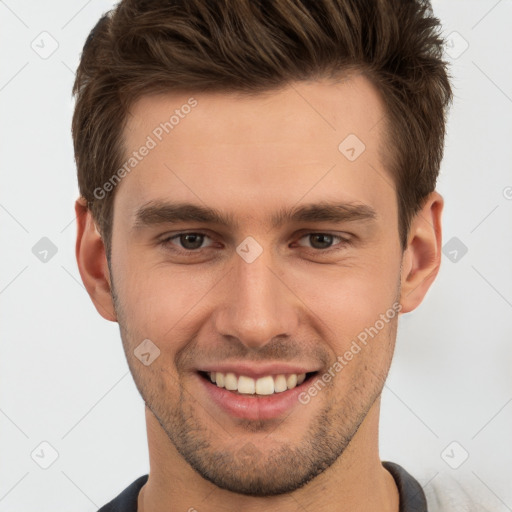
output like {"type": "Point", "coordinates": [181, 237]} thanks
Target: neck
{"type": "Point", "coordinates": [356, 482]}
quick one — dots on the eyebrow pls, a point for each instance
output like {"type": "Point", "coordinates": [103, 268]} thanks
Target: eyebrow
{"type": "Point", "coordinates": [159, 212]}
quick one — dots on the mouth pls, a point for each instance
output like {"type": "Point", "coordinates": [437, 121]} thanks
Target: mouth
{"type": "Point", "coordinates": [263, 386]}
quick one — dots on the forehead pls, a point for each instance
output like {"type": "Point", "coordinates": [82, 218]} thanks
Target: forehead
{"type": "Point", "coordinates": [242, 154]}
{"type": "Point", "coordinates": [294, 112]}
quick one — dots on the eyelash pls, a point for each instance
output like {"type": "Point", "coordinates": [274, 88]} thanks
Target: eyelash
{"type": "Point", "coordinates": [166, 242]}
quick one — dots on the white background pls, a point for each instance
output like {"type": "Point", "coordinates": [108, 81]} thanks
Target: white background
{"type": "Point", "coordinates": [63, 374]}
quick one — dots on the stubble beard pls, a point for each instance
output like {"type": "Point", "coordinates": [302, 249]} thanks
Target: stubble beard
{"type": "Point", "coordinates": [248, 468]}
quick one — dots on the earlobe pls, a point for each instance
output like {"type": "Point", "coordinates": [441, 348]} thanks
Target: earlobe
{"type": "Point", "coordinates": [92, 261]}
{"type": "Point", "coordinates": [422, 257]}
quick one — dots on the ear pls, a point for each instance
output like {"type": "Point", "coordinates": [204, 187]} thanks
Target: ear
{"type": "Point", "coordinates": [92, 261]}
{"type": "Point", "coordinates": [422, 257]}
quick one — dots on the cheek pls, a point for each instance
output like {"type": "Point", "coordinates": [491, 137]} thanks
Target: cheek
{"type": "Point", "coordinates": [161, 303]}
{"type": "Point", "coordinates": [351, 296]}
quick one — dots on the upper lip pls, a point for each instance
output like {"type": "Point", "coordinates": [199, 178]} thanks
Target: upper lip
{"type": "Point", "coordinates": [256, 371]}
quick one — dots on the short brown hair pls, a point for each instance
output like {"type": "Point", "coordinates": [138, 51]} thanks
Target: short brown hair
{"type": "Point", "coordinates": [251, 46]}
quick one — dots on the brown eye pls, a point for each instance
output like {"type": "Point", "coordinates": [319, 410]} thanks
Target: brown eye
{"type": "Point", "coordinates": [191, 240]}
{"type": "Point", "coordinates": [185, 242]}
{"type": "Point", "coordinates": [324, 241]}
{"type": "Point", "coordinates": [321, 240]}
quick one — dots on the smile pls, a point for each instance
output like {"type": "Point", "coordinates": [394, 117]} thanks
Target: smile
{"type": "Point", "coordinates": [265, 385]}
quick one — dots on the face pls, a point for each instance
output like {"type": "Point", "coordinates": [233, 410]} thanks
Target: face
{"type": "Point", "coordinates": [249, 244]}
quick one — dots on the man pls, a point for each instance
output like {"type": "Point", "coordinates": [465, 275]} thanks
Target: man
{"type": "Point", "coordinates": [257, 208]}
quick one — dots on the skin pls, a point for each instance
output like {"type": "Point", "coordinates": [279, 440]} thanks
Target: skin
{"type": "Point", "coordinates": [249, 157]}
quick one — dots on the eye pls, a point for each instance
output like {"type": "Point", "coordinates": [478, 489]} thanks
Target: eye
{"type": "Point", "coordinates": [192, 242]}
{"type": "Point", "coordinates": [324, 241]}
{"type": "Point", "coordinates": [186, 241]}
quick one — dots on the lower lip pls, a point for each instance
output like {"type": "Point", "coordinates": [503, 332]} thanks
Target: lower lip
{"type": "Point", "coordinates": [252, 407]}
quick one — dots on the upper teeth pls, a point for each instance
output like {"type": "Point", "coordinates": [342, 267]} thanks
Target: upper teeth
{"type": "Point", "coordinates": [263, 386]}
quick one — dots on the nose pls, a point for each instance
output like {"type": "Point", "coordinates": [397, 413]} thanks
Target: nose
{"type": "Point", "coordinates": [257, 304]}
